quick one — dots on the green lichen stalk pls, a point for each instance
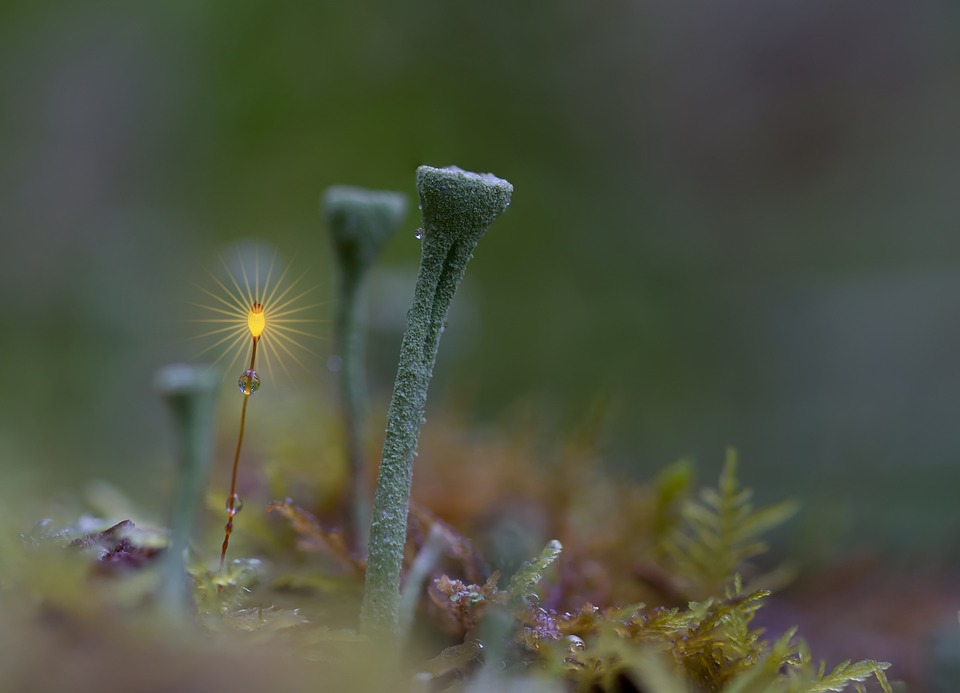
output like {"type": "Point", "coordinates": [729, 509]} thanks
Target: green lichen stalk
{"type": "Point", "coordinates": [457, 208]}
{"type": "Point", "coordinates": [361, 222]}
{"type": "Point", "coordinates": [189, 394]}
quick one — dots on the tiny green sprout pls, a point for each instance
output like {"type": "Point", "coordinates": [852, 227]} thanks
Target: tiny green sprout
{"type": "Point", "coordinates": [457, 208]}
{"type": "Point", "coordinates": [361, 223]}
{"type": "Point", "coordinates": [189, 394]}
{"type": "Point", "coordinates": [525, 580]}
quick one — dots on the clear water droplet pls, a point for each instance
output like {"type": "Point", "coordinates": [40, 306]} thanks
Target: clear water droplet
{"type": "Point", "coordinates": [249, 382]}
{"type": "Point", "coordinates": [575, 644]}
{"type": "Point", "coordinates": [334, 364]}
{"type": "Point", "coordinates": [419, 235]}
{"type": "Point", "coordinates": [237, 505]}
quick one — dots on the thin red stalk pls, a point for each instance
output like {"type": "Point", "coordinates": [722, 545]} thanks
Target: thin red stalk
{"type": "Point", "coordinates": [232, 498]}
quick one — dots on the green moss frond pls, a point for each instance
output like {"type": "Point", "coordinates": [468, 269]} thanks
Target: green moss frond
{"type": "Point", "coordinates": [225, 591]}
{"type": "Point", "coordinates": [531, 572]}
{"type": "Point", "coordinates": [849, 672]}
{"type": "Point", "coordinates": [719, 532]}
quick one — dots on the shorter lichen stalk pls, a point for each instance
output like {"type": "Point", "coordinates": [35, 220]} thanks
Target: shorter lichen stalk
{"type": "Point", "coordinates": [457, 208]}
{"type": "Point", "coordinates": [361, 223]}
{"type": "Point", "coordinates": [189, 394]}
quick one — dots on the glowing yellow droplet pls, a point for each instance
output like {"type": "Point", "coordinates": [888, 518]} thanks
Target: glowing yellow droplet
{"type": "Point", "coordinates": [256, 320]}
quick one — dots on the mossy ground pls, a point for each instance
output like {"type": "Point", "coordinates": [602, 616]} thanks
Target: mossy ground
{"type": "Point", "coordinates": [621, 605]}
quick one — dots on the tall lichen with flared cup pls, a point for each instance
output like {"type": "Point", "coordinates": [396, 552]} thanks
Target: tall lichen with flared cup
{"type": "Point", "coordinates": [189, 394]}
{"type": "Point", "coordinates": [361, 222]}
{"type": "Point", "coordinates": [457, 208]}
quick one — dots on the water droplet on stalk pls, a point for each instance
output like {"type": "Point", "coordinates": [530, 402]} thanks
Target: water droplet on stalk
{"type": "Point", "coordinates": [419, 235]}
{"type": "Point", "coordinates": [249, 382]}
{"type": "Point", "coordinates": [237, 504]}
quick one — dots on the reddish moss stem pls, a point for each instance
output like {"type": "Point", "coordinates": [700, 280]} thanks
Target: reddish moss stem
{"type": "Point", "coordinates": [232, 498]}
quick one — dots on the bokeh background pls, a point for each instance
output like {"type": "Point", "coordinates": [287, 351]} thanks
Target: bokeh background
{"type": "Point", "coordinates": [735, 223]}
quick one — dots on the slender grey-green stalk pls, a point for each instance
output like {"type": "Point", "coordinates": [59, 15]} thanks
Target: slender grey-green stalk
{"type": "Point", "coordinates": [436, 544]}
{"type": "Point", "coordinates": [457, 208]}
{"type": "Point", "coordinates": [361, 222]}
{"type": "Point", "coordinates": [189, 394]}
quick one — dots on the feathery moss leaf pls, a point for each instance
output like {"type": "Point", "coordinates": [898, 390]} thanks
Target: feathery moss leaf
{"type": "Point", "coordinates": [719, 532]}
{"type": "Point", "coordinates": [531, 572]}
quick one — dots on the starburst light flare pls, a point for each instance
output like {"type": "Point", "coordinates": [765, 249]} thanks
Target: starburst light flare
{"type": "Point", "coordinates": [266, 316]}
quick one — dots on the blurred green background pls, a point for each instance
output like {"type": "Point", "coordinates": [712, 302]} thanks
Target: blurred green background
{"type": "Point", "coordinates": [737, 221]}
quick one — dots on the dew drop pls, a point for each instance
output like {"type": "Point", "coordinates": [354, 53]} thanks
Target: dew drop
{"type": "Point", "coordinates": [237, 505]}
{"type": "Point", "coordinates": [249, 382]}
{"type": "Point", "coordinates": [419, 235]}
{"type": "Point", "coordinates": [575, 644]}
